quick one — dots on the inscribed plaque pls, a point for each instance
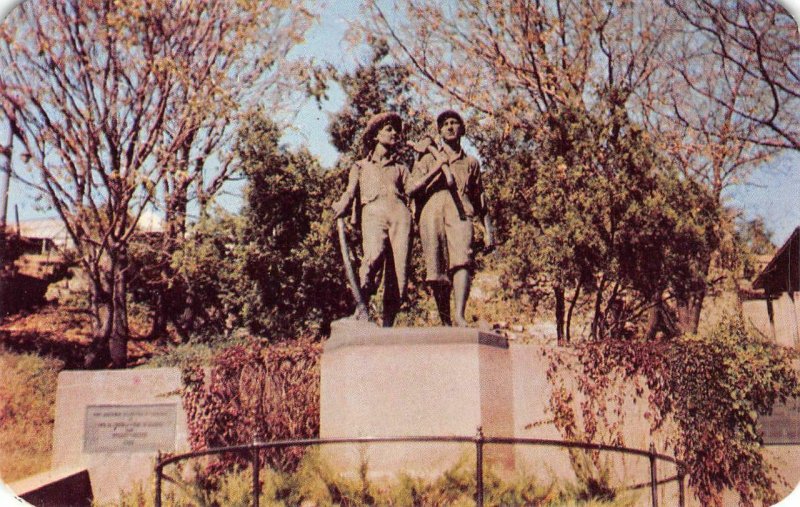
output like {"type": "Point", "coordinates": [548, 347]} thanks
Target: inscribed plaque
{"type": "Point", "coordinates": [130, 428]}
{"type": "Point", "coordinates": [783, 426]}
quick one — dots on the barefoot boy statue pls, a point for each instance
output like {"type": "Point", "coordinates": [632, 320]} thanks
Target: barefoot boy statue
{"type": "Point", "coordinates": [446, 186]}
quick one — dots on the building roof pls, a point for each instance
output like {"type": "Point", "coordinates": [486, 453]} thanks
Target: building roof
{"type": "Point", "coordinates": [43, 228]}
{"type": "Point", "coordinates": [782, 274]}
{"type": "Point", "coordinates": [52, 227]}
{"type": "Point", "coordinates": [54, 230]}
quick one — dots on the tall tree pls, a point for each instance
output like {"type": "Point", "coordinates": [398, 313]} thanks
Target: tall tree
{"type": "Point", "coordinates": [606, 217]}
{"type": "Point", "coordinates": [755, 46]}
{"type": "Point", "coordinates": [124, 105]}
{"type": "Point", "coordinates": [518, 61]}
{"type": "Point", "coordinates": [723, 100]}
{"type": "Point", "coordinates": [286, 251]}
{"type": "Point", "coordinates": [274, 269]}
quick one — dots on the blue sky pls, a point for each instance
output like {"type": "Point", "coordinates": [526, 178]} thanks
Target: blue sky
{"type": "Point", "coordinates": [773, 192]}
{"type": "Point", "coordinates": [325, 43]}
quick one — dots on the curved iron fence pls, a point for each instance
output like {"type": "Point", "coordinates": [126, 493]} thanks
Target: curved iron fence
{"type": "Point", "coordinates": [479, 441]}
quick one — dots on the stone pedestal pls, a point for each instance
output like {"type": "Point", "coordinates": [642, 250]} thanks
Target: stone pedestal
{"type": "Point", "coordinates": [440, 381]}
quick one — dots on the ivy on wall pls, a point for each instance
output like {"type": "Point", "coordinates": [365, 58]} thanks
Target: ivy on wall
{"type": "Point", "coordinates": [705, 393]}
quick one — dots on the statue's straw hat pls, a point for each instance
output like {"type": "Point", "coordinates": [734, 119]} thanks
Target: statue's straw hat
{"type": "Point", "coordinates": [376, 123]}
{"type": "Point", "coordinates": [449, 113]}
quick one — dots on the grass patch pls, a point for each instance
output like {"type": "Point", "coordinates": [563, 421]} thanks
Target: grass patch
{"type": "Point", "coordinates": [27, 410]}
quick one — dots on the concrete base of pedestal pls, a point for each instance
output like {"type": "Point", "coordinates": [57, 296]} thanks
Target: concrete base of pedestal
{"type": "Point", "coordinates": [440, 381]}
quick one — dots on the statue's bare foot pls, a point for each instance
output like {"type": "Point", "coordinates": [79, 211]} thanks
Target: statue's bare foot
{"type": "Point", "coordinates": [461, 322]}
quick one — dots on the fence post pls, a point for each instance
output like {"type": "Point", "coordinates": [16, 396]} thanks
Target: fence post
{"type": "Point", "coordinates": [159, 471]}
{"type": "Point", "coordinates": [681, 491]}
{"type": "Point", "coordinates": [653, 475]}
{"type": "Point", "coordinates": [479, 468]}
{"type": "Point", "coordinates": [256, 473]}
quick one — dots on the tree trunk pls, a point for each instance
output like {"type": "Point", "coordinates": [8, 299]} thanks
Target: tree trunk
{"type": "Point", "coordinates": [158, 329]}
{"type": "Point", "coordinates": [102, 315]}
{"type": "Point", "coordinates": [559, 295]}
{"type": "Point", "coordinates": [659, 318]}
{"type": "Point", "coordinates": [688, 312]}
{"type": "Point", "coordinates": [688, 307]}
{"type": "Point", "coordinates": [118, 344]}
{"type": "Point", "coordinates": [169, 301]}
{"type": "Point", "coordinates": [572, 303]}
{"type": "Point", "coordinates": [185, 322]}
{"type": "Point", "coordinates": [598, 305]}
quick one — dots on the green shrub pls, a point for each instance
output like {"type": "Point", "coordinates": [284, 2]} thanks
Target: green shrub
{"type": "Point", "coordinates": [314, 482]}
{"type": "Point", "coordinates": [192, 354]}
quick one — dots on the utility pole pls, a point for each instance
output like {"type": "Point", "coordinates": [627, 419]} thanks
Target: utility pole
{"type": "Point", "coordinates": [5, 179]}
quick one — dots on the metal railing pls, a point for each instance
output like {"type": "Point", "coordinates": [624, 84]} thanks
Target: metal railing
{"type": "Point", "coordinates": [478, 440]}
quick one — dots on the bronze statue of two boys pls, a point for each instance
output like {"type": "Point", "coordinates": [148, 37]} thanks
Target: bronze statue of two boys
{"type": "Point", "coordinates": [445, 188]}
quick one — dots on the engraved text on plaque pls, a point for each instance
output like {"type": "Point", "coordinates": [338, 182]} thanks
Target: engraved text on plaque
{"type": "Point", "coordinates": [130, 428]}
{"type": "Point", "coordinates": [783, 426]}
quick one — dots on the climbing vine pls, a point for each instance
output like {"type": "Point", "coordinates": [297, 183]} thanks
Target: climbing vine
{"type": "Point", "coordinates": [705, 392]}
{"type": "Point", "coordinates": [259, 391]}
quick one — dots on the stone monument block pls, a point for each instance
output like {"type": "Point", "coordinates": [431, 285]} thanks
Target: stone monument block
{"type": "Point", "coordinates": [113, 423]}
{"type": "Point", "coordinates": [440, 381]}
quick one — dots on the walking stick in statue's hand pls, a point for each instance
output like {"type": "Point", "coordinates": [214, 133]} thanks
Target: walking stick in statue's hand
{"type": "Point", "coordinates": [361, 312]}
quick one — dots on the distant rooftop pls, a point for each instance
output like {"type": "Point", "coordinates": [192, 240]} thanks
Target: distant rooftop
{"type": "Point", "coordinates": [782, 273]}
{"type": "Point", "coordinates": [53, 228]}
{"type": "Point", "coordinates": [43, 228]}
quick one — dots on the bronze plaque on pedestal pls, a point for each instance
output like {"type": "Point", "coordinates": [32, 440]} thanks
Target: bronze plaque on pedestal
{"type": "Point", "coordinates": [130, 428]}
{"type": "Point", "coordinates": [783, 426]}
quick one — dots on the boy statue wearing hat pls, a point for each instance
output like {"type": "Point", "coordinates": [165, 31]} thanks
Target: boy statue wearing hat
{"type": "Point", "coordinates": [446, 185]}
{"type": "Point", "coordinates": [377, 187]}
